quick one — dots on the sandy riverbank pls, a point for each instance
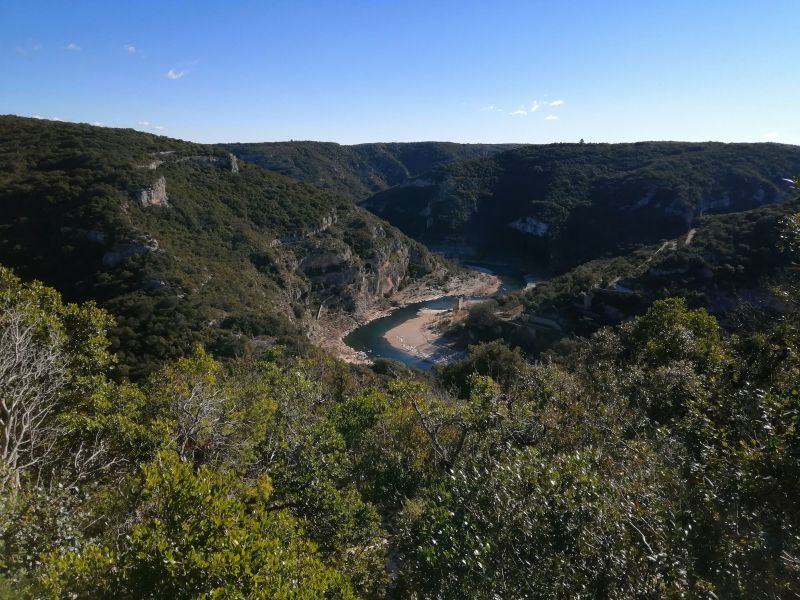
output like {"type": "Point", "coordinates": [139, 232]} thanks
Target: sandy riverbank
{"type": "Point", "coordinates": [425, 336]}
{"type": "Point", "coordinates": [330, 330]}
{"type": "Point", "coordinates": [418, 336]}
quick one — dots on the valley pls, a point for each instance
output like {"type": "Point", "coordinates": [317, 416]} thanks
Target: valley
{"type": "Point", "coordinates": [417, 334]}
{"type": "Point", "coordinates": [152, 228]}
{"type": "Point", "coordinates": [399, 300]}
{"type": "Point", "coordinates": [396, 370]}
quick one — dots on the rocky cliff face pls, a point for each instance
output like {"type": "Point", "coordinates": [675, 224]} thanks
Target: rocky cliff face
{"type": "Point", "coordinates": [355, 282]}
{"type": "Point", "coordinates": [155, 195]}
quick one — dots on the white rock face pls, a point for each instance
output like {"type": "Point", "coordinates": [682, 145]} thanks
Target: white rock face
{"type": "Point", "coordinates": [234, 162]}
{"type": "Point", "coordinates": [531, 226]}
{"type": "Point", "coordinates": [155, 195]}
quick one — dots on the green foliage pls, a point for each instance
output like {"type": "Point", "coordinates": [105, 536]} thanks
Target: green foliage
{"type": "Point", "coordinates": [668, 333]}
{"type": "Point", "coordinates": [521, 526]}
{"type": "Point", "coordinates": [221, 264]}
{"type": "Point", "coordinates": [659, 458]}
{"type": "Point", "coordinates": [361, 170]}
{"type": "Point", "coordinates": [213, 418]}
{"type": "Point", "coordinates": [203, 534]}
{"type": "Point", "coordinates": [596, 200]}
{"type": "Point", "coordinates": [492, 359]}
{"type": "Point", "coordinates": [731, 267]}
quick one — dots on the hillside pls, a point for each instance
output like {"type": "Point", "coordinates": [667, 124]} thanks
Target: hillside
{"type": "Point", "coordinates": [729, 265]}
{"type": "Point", "coordinates": [556, 206]}
{"type": "Point", "coordinates": [184, 243]}
{"type": "Point", "coordinates": [656, 456]}
{"type": "Point", "coordinates": [360, 170]}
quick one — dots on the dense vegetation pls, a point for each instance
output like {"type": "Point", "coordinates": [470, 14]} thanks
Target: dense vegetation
{"type": "Point", "coordinates": [148, 451]}
{"type": "Point", "coordinates": [728, 264]}
{"type": "Point", "coordinates": [660, 458]}
{"type": "Point", "coordinates": [233, 252]}
{"type": "Point", "coordinates": [569, 203]}
{"type": "Point", "coordinates": [361, 170]}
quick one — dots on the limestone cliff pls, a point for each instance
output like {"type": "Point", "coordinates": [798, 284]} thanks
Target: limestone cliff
{"type": "Point", "coordinates": [154, 195]}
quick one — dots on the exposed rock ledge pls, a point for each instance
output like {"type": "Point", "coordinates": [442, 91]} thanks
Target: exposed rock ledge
{"type": "Point", "coordinates": [155, 195]}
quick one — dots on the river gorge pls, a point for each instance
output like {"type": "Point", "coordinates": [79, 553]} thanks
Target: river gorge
{"type": "Point", "coordinates": [407, 334]}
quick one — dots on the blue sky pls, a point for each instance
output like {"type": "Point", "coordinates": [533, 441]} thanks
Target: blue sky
{"type": "Point", "coordinates": [360, 71]}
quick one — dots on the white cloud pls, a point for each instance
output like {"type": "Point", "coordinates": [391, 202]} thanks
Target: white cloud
{"type": "Point", "coordinates": [771, 136]}
{"type": "Point", "coordinates": [26, 49]}
{"type": "Point", "coordinates": [551, 118]}
{"type": "Point", "coordinates": [491, 108]}
{"type": "Point", "coordinates": [535, 106]}
{"type": "Point", "coordinates": [519, 112]}
{"type": "Point", "coordinates": [173, 74]}
{"type": "Point", "coordinates": [97, 124]}
{"type": "Point", "coordinates": [130, 48]}
{"type": "Point", "coordinates": [556, 103]}
{"type": "Point", "coordinates": [73, 46]}
{"type": "Point", "coordinates": [150, 126]}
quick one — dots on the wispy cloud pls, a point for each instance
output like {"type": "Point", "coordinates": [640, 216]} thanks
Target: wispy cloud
{"type": "Point", "coordinates": [97, 124]}
{"type": "Point", "coordinates": [173, 74]}
{"type": "Point", "coordinates": [519, 112]}
{"type": "Point", "coordinates": [491, 108]}
{"type": "Point", "coordinates": [48, 118]}
{"type": "Point", "coordinates": [771, 136]}
{"type": "Point", "coordinates": [130, 49]}
{"type": "Point", "coordinates": [73, 46]}
{"type": "Point", "coordinates": [150, 126]}
{"type": "Point", "coordinates": [551, 118]}
{"type": "Point", "coordinates": [27, 49]}
{"type": "Point", "coordinates": [535, 106]}
{"type": "Point", "coordinates": [556, 103]}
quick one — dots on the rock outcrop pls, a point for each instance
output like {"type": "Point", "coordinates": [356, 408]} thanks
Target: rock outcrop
{"type": "Point", "coordinates": [155, 195]}
{"type": "Point", "coordinates": [234, 163]}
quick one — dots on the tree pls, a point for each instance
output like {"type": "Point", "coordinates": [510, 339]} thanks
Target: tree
{"type": "Point", "coordinates": [53, 358]}
{"type": "Point", "coordinates": [522, 525]}
{"type": "Point", "coordinates": [199, 534]}
{"type": "Point", "coordinates": [214, 417]}
{"type": "Point", "coordinates": [669, 331]}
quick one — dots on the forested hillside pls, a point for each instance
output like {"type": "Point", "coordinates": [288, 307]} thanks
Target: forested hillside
{"type": "Point", "coordinates": [629, 428]}
{"type": "Point", "coordinates": [361, 170]}
{"type": "Point", "coordinates": [559, 205]}
{"type": "Point", "coordinates": [656, 459]}
{"type": "Point", "coordinates": [727, 264]}
{"type": "Point", "coordinates": [183, 243]}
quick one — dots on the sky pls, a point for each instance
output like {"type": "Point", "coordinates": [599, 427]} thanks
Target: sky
{"type": "Point", "coordinates": [365, 71]}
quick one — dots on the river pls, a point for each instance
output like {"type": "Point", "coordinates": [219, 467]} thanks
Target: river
{"type": "Point", "coordinates": [370, 338]}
